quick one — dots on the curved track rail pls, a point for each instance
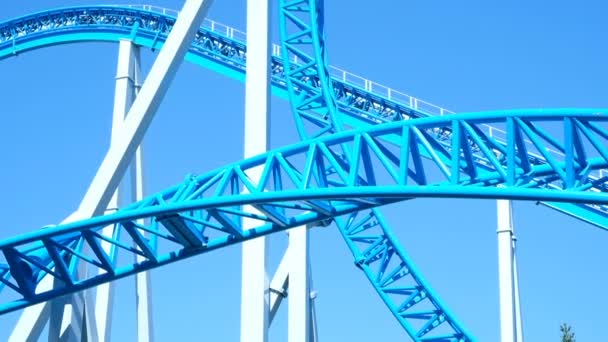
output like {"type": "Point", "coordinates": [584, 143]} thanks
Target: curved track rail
{"type": "Point", "coordinates": [355, 106]}
{"type": "Point", "coordinates": [310, 182]}
{"type": "Point", "coordinates": [316, 114]}
{"type": "Point", "coordinates": [225, 53]}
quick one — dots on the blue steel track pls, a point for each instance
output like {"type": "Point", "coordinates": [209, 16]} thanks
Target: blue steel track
{"type": "Point", "coordinates": [332, 175]}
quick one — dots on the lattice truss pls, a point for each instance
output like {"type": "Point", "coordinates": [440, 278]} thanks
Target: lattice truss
{"type": "Point", "coordinates": [555, 156]}
{"type": "Point", "coordinates": [310, 182]}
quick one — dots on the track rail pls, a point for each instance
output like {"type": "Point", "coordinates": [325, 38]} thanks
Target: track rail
{"type": "Point", "coordinates": [221, 48]}
{"type": "Point", "coordinates": [216, 49]}
{"type": "Point", "coordinates": [310, 182]}
{"type": "Point", "coordinates": [316, 114]}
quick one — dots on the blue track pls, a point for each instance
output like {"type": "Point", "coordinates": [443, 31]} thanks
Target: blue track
{"type": "Point", "coordinates": [334, 176]}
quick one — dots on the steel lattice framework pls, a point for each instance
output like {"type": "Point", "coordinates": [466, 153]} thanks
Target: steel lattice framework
{"type": "Point", "coordinates": [393, 152]}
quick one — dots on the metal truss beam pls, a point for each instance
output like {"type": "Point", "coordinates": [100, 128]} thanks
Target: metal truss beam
{"type": "Point", "coordinates": [442, 135]}
{"type": "Point", "coordinates": [312, 95]}
{"type": "Point", "coordinates": [226, 54]}
{"type": "Point", "coordinates": [310, 182]}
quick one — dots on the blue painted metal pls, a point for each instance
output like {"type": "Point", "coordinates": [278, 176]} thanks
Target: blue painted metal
{"type": "Point", "coordinates": [357, 107]}
{"type": "Point", "coordinates": [148, 29]}
{"type": "Point", "coordinates": [212, 50]}
{"type": "Point", "coordinates": [203, 213]}
{"type": "Point", "coordinates": [316, 114]}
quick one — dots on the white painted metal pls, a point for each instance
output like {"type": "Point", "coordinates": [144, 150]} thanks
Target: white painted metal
{"type": "Point", "coordinates": [143, 282]}
{"type": "Point", "coordinates": [314, 330]}
{"type": "Point", "coordinates": [298, 319]}
{"type": "Point", "coordinates": [519, 328]}
{"type": "Point", "coordinates": [505, 271]}
{"type": "Point", "coordinates": [278, 286]}
{"type": "Point", "coordinates": [144, 107]}
{"type": "Point", "coordinates": [129, 138]}
{"type": "Point", "coordinates": [124, 95]}
{"type": "Point", "coordinates": [255, 293]}
{"type": "Point", "coordinates": [281, 280]}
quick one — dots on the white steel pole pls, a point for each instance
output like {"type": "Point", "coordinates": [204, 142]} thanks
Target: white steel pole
{"type": "Point", "coordinates": [519, 329]}
{"type": "Point", "coordinates": [505, 271]}
{"type": "Point", "coordinates": [279, 285]}
{"type": "Point", "coordinates": [144, 107]}
{"type": "Point", "coordinates": [143, 282]}
{"type": "Point", "coordinates": [140, 116]}
{"type": "Point", "coordinates": [123, 98]}
{"type": "Point", "coordinates": [314, 329]}
{"type": "Point", "coordinates": [298, 320]}
{"type": "Point", "coordinates": [255, 296]}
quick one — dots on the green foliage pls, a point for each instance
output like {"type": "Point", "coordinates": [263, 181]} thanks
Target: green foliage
{"type": "Point", "coordinates": [567, 333]}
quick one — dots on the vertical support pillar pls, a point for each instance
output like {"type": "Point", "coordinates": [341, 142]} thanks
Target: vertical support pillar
{"type": "Point", "coordinates": [128, 60]}
{"type": "Point", "coordinates": [314, 330]}
{"type": "Point", "coordinates": [143, 282]}
{"type": "Point", "coordinates": [299, 286]}
{"type": "Point", "coordinates": [312, 318]}
{"type": "Point", "coordinates": [519, 329]}
{"type": "Point", "coordinates": [505, 271]}
{"type": "Point", "coordinates": [255, 293]}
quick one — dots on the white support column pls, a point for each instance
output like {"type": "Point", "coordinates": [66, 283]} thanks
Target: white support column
{"type": "Point", "coordinates": [143, 282]}
{"type": "Point", "coordinates": [144, 107]}
{"type": "Point", "coordinates": [299, 286]}
{"type": "Point", "coordinates": [129, 138]}
{"type": "Point", "coordinates": [278, 286]}
{"type": "Point", "coordinates": [255, 293]}
{"type": "Point", "coordinates": [519, 329]}
{"type": "Point", "coordinates": [314, 330]}
{"type": "Point", "coordinates": [505, 271]}
{"type": "Point", "coordinates": [297, 251]}
{"type": "Point", "coordinates": [128, 56]}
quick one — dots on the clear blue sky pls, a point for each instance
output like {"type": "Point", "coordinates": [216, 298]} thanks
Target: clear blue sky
{"type": "Point", "coordinates": [468, 55]}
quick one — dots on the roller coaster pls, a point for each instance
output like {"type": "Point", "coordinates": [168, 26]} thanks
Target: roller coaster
{"type": "Point", "coordinates": [360, 149]}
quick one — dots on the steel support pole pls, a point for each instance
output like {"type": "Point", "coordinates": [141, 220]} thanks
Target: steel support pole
{"type": "Point", "coordinates": [143, 282]}
{"type": "Point", "coordinates": [519, 329]}
{"type": "Point", "coordinates": [314, 329]}
{"type": "Point", "coordinates": [140, 116]}
{"type": "Point", "coordinates": [505, 271]}
{"type": "Point", "coordinates": [128, 61]}
{"type": "Point", "coordinates": [298, 320]}
{"type": "Point", "coordinates": [144, 107]}
{"type": "Point", "coordinates": [279, 285]}
{"type": "Point", "coordinates": [255, 291]}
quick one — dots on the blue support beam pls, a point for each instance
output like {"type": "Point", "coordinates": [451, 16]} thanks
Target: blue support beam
{"type": "Point", "coordinates": [463, 151]}
{"type": "Point", "coordinates": [28, 258]}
